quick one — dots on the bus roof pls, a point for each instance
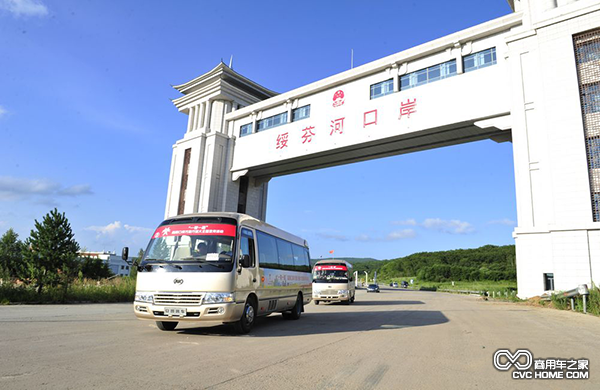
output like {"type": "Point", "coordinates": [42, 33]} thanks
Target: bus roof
{"type": "Point", "coordinates": [243, 220]}
{"type": "Point", "coordinates": [333, 261]}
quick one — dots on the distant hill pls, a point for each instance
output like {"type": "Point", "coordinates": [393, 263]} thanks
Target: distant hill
{"type": "Point", "coordinates": [488, 262]}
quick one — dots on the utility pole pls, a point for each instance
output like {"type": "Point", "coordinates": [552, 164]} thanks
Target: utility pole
{"type": "Point", "coordinates": [366, 278]}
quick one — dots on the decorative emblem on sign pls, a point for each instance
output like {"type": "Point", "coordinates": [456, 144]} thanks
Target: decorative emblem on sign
{"type": "Point", "coordinates": [177, 281]}
{"type": "Point", "coordinates": [338, 98]}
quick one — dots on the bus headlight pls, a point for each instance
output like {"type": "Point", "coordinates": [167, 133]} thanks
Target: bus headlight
{"type": "Point", "coordinates": [218, 298]}
{"type": "Point", "coordinates": [342, 292]}
{"type": "Point", "coordinates": [144, 297]}
{"type": "Point", "coordinates": [316, 292]}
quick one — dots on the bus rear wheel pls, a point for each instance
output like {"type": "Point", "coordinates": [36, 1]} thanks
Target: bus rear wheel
{"type": "Point", "coordinates": [166, 325]}
{"type": "Point", "coordinates": [296, 311]}
{"type": "Point", "coordinates": [245, 324]}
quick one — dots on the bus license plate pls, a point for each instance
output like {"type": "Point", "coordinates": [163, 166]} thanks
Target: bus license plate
{"type": "Point", "coordinates": [175, 311]}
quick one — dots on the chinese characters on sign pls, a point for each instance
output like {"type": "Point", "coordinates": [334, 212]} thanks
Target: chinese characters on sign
{"type": "Point", "coordinates": [408, 108]}
{"type": "Point", "coordinates": [308, 134]}
{"type": "Point", "coordinates": [337, 126]}
{"type": "Point", "coordinates": [282, 140]}
{"type": "Point", "coordinates": [370, 118]}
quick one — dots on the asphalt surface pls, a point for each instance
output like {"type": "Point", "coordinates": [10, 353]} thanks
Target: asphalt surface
{"type": "Point", "coordinates": [394, 339]}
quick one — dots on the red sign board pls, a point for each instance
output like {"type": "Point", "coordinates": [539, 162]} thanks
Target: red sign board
{"type": "Point", "coordinates": [200, 229]}
{"type": "Point", "coordinates": [331, 267]}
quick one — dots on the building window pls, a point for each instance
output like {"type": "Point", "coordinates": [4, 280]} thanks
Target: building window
{"type": "Point", "coordinates": [301, 113]}
{"type": "Point", "coordinates": [122, 267]}
{"type": "Point", "coordinates": [590, 98]}
{"type": "Point", "coordinates": [272, 121]}
{"type": "Point", "coordinates": [479, 60]}
{"type": "Point", "coordinates": [245, 129]}
{"type": "Point", "coordinates": [587, 48]}
{"type": "Point", "coordinates": [184, 180]}
{"type": "Point", "coordinates": [548, 282]}
{"type": "Point", "coordinates": [596, 206]}
{"type": "Point", "coordinates": [381, 89]}
{"type": "Point", "coordinates": [428, 75]}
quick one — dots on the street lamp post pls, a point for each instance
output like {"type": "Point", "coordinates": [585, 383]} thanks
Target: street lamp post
{"type": "Point", "coordinates": [355, 278]}
{"type": "Point", "coordinates": [366, 278]}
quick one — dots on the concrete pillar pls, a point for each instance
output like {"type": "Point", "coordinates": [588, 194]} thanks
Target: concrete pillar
{"type": "Point", "coordinates": [208, 115]}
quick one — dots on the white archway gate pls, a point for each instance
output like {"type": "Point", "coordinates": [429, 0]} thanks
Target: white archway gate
{"type": "Point", "coordinates": [530, 77]}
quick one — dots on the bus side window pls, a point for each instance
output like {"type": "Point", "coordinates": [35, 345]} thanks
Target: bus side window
{"type": "Point", "coordinates": [247, 245]}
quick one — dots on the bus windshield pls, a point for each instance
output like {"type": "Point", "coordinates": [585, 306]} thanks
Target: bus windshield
{"type": "Point", "coordinates": [196, 243]}
{"type": "Point", "coordinates": [330, 274]}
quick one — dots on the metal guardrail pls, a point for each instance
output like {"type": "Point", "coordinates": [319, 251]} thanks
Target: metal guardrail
{"type": "Point", "coordinates": [581, 290]}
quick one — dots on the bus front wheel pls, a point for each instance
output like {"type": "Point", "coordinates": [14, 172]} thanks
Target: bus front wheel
{"type": "Point", "coordinates": [245, 324]}
{"type": "Point", "coordinates": [166, 325]}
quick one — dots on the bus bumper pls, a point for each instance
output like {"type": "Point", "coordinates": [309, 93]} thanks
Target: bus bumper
{"type": "Point", "coordinates": [224, 312]}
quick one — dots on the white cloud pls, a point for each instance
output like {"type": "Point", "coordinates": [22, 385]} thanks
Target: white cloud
{"type": "Point", "coordinates": [504, 221]}
{"type": "Point", "coordinates": [406, 222]}
{"type": "Point", "coordinates": [14, 189]}
{"type": "Point", "coordinates": [453, 226]}
{"type": "Point", "coordinates": [117, 234]}
{"type": "Point", "coordinates": [24, 7]}
{"type": "Point", "coordinates": [332, 236]}
{"type": "Point", "coordinates": [109, 229]}
{"type": "Point", "coordinates": [3, 111]}
{"type": "Point", "coordinates": [116, 227]}
{"type": "Point", "coordinates": [392, 236]}
{"type": "Point", "coordinates": [401, 235]}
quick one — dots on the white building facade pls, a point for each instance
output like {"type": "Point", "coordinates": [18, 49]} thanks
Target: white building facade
{"type": "Point", "coordinates": [531, 77]}
{"type": "Point", "coordinates": [116, 264]}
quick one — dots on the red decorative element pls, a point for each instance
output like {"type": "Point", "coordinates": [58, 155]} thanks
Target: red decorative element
{"type": "Point", "coordinates": [408, 108]}
{"type": "Point", "coordinates": [282, 140]}
{"type": "Point", "coordinates": [330, 267]}
{"type": "Point", "coordinates": [337, 126]}
{"type": "Point", "coordinates": [370, 118]}
{"type": "Point", "coordinates": [338, 98]}
{"type": "Point", "coordinates": [195, 230]}
{"type": "Point", "coordinates": [308, 134]}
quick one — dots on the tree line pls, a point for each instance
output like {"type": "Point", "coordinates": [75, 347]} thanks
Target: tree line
{"type": "Point", "coordinates": [49, 257]}
{"type": "Point", "coordinates": [488, 262]}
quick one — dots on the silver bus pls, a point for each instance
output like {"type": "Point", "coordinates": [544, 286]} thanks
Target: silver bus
{"type": "Point", "coordinates": [333, 281]}
{"type": "Point", "coordinates": [225, 267]}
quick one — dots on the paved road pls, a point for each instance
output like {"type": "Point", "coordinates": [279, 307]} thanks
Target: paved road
{"type": "Point", "coordinates": [395, 339]}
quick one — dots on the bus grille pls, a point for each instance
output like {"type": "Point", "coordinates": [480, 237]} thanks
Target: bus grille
{"type": "Point", "coordinates": [329, 292]}
{"type": "Point", "coordinates": [177, 299]}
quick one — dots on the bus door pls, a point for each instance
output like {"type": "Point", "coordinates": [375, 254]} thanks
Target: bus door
{"type": "Point", "coordinates": [248, 275]}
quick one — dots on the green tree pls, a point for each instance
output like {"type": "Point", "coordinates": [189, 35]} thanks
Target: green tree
{"type": "Point", "coordinates": [50, 253]}
{"type": "Point", "coordinates": [94, 268]}
{"type": "Point", "coordinates": [137, 259]}
{"type": "Point", "coordinates": [11, 257]}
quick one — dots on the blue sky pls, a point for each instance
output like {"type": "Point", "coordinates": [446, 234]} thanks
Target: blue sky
{"type": "Point", "coordinates": [87, 125]}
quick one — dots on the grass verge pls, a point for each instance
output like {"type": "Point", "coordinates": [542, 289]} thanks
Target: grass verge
{"type": "Point", "coordinates": [121, 289]}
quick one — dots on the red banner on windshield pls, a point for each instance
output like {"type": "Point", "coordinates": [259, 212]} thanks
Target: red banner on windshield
{"type": "Point", "coordinates": [331, 267]}
{"type": "Point", "coordinates": [211, 229]}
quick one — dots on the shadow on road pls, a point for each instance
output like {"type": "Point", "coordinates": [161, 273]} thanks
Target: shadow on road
{"type": "Point", "coordinates": [328, 323]}
{"type": "Point", "coordinates": [383, 303]}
